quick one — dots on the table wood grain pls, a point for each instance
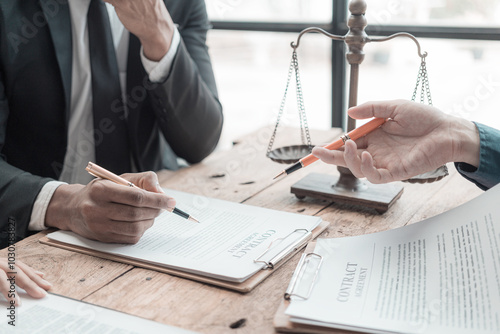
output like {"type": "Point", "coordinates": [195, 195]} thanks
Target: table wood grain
{"type": "Point", "coordinates": [242, 174]}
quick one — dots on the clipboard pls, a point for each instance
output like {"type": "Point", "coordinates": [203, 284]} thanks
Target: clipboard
{"type": "Point", "coordinates": [281, 322]}
{"type": "Point", "coordinates": [242, 287]}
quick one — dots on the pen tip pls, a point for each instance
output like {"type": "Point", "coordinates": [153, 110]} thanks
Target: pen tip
{"type": "Point", "coordinates": [281, 173]}
{"type": "Point", "coordinates": [193, 219]}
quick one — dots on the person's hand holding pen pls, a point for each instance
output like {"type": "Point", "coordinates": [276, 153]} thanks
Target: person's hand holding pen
{"type": "Point", "coordinates": [416, 138]}
{"type": "Point", "coordinates": [106, 211]}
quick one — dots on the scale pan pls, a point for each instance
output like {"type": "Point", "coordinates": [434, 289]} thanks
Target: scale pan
{"type": "Point", "coordinates": [289, 154]}
{"type": "Point", "coordinates": [429, 177]}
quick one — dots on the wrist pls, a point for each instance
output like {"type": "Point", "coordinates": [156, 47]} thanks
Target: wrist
{"type": "Point", "coordinates": [59, 210]}
{"type": "Point", "coordinates": [156, 46]}
{"type": "Point", "coordinates": [467, 143]}
{"type": "Point", "coordinates": [155, 51]}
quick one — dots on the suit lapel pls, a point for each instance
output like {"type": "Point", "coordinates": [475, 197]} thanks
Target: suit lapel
{"type": "Point", "coordinates": [59, 23]}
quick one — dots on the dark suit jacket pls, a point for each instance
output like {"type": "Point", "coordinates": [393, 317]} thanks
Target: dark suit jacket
{"type": "Point", "coordinates": [35, 90]}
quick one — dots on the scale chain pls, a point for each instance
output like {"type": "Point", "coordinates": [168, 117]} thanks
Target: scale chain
{"type": "Point", "coordinates": [423, 82]}
{"type": "Point", "coordinates": [282, 106]}
{"type": "Point", "coordinates": [304, 128]}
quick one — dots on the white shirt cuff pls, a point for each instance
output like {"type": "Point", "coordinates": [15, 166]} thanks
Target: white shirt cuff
{"type": "Point", "coordinates": [159, 71]}
{"type": "Point", "coordinates": [37, 220]}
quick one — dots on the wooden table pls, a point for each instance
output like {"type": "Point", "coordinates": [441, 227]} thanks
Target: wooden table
{"type": "Point", "coordinates": [242, 174]}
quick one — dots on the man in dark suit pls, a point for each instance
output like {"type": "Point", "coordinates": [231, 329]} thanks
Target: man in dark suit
{"type": "Point", "coordinates": [59, 108]}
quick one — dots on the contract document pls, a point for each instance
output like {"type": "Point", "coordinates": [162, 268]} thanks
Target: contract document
{"type": "Point", "coordinates": [440, 275]}
{"type": "Point", "coordinates": [56, 314]}
{"type": "Point", "coordinates": [232, 241]}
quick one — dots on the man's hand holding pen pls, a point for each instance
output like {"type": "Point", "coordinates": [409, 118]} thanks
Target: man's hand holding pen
{"type": "Point", "coordinates": [418, 138]}
{"type": "Point", "coordinates": [106, 211]}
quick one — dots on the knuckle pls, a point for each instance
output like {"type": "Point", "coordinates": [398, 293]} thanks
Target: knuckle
{"type": "Point", "coordinates": [148, 224]}
{"type": "Point", "coordinates": [133, 214]}
{"type": "Point", "coordinates": [375, 180]}
{"type": "Point", "coordinates": [153, 178]}
{"type": "Point", "coordinates": [150, 176]}
{"type": "Point", "coordinates": [87, 209]}
{"type": "Point", "coordinates": [161, 201]}
{"type": "Point", "coordinates": [135, 230]}
{"type": "Point", "coordinates": [95, 188]}
{"type": "Point", "coordinates": [96, 185]}
{"type": "Point", "coordinates": [134, 240]}
{"type": "Point", "coordinates": [138, 198]}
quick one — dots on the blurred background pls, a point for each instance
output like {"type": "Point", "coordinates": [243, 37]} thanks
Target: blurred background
{"type": "Point", "coordinates": [250, 49]}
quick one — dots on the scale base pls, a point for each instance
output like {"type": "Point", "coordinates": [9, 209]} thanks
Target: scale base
{"type": "Point", "coordinates": [348, 190]}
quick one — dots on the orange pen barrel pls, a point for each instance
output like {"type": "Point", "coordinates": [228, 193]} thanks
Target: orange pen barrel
{"type": "Point", "coordinates": [366, 128]}
{"type": "Point", "coordinates": [307, 160]}
{"type": "Point", "coordinates": [354, 134]}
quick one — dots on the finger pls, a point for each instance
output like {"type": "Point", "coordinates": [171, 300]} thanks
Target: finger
{"type": "Point", "coordinates": [384, 109]}
{"type": "Point", "coordinates": [127, 213]}
{"type": "Point", "coordinates": [39, 273]}
{"type": "Point", "coordinates": [371, 173]}
{"type": "Point", "coordinates": [147, 180]}
{"type": "Point", "coordinates": [107, 191]}
{"type": "Point", "coordinates": [7, 289]}
{"type": "Point", "coordinates": [120, 237]}
{"type": "Point", "coordinates": [33, 275]}
{"type": "Point", "coordinates": [330, 157]}
{"type": "Point", "coordinates": [352, 159]}
{"type": "Point", "coordinates": [33, 289]}
{"type": "Point", "coordinates": [118, 231]}
{"type": "Point", "coordinates": [172, 202]}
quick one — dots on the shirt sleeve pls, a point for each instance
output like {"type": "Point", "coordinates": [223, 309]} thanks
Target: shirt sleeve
{"type": "Point", "coordinates": [158, 71]}
{"type": "Point", "coordinates": [488, 173]}
{"type": "Point", "coordinates": [37, 220]}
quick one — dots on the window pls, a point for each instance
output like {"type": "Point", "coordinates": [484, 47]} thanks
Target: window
{"type": "Point", "coordinates": [250, 49]}
{"type": "Point", "coordinates": [251, 71]}
{"type": "Point", "coordinates": [464, 13]}
{"type": "Point", "coordinates": [270, 10]}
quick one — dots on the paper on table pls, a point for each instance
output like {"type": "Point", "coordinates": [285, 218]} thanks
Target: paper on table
{"type": "Point", "coordinates": [438, 275]}
{"type": "Point", "coordinates": [224, 245]}
{"type": "Point", "coordinates": [56, 314]}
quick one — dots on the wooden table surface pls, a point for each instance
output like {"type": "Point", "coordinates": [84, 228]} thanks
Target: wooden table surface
{"type": "Point", "coordinates": [242, 174]}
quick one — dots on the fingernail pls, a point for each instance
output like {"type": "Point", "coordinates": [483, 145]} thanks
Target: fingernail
{"type": "Point", "coordinates": [46, 282]}
{"type": "Point", "coordinates": [42, 291]}
{"type": "Point", "coordinates": [39, 273]}
{"type": "Point", "coordinates": [18, 300]}
{"type": "Point", "coordinates": [171, 203]}
{"type": "Point", "coordinates": [160, 189]}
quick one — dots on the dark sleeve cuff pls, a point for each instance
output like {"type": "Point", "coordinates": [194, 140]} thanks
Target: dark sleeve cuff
{"type": "Point", "coordinates": [488, 173]}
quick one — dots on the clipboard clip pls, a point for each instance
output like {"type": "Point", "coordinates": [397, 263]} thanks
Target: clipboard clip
{"type": "Point", "coordinates": [299, 273]}
{"type": "Point", "coordinates": [271, 263]}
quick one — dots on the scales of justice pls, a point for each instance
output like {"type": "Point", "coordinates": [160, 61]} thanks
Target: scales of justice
{"type": "Point", "coordinates": [346, 188]}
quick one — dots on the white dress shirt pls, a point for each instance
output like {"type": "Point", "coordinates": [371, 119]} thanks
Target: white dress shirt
{"type": "Point", "coordinates": [80, 148]}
